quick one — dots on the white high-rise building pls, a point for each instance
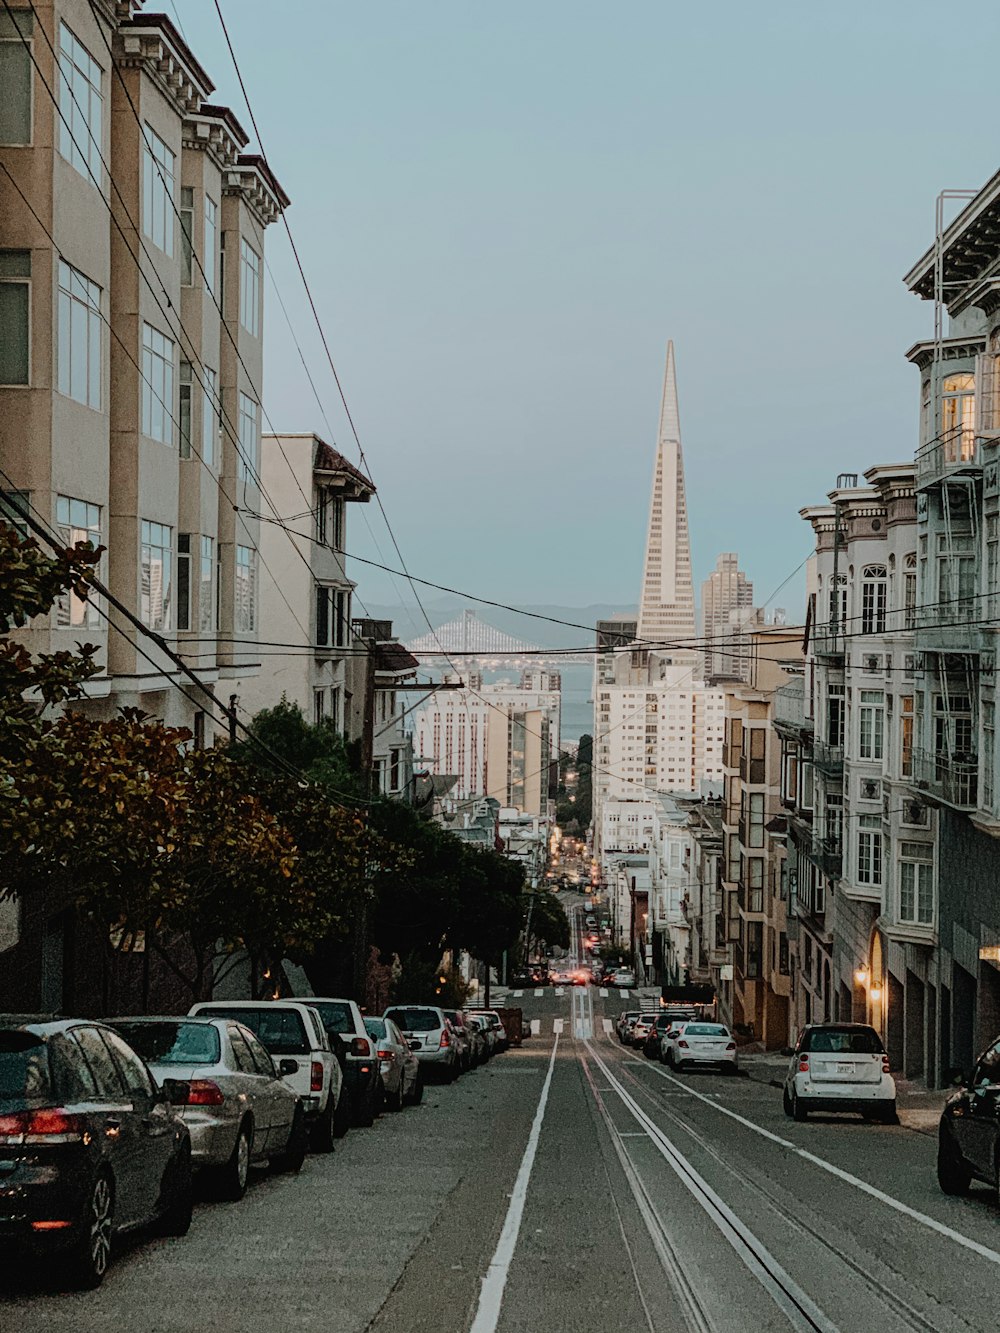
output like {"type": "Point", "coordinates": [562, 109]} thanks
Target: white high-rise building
{"type": "Point", "coordinates": [727, 613]}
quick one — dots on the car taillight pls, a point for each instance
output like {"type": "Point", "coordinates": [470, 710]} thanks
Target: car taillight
{"type": "Point", "coordinates": [387, 1055]}
{"type": "Point", "coordinates": [803, 1064]}
{"type": "Point", "coordinates": [731, 1046]}
{"type": "Point", "coordinates": [360, 1046]}
{"type": "Point", "coordinates": [885, 1064]}
{"type": "Point", "coordinates": [203, 1092]}
{"type": "Point", "coordinates": [316, 1077]}
{"type": "Point", "coordinates": [44, 1127]}
{"type": "Point", "coordinates": [683, 1043]}
{"type": "Point", "coordinates": [445, 1039]}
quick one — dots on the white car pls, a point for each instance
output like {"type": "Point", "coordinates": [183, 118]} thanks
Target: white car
{"type": "Point", "coordinates": [624, 978]}
{"type": "Point", "coordinates": [840, 1067]}
{"type": "Point", "coordinates": [695, 1043]}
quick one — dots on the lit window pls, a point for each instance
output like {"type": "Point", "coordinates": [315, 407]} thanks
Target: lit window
{"type": "Point", "coordinates": [15, 77]}
{"type": "Point", "coordinates": [77, 521]}
{"type": "Point", "coordinates": [246, 590]}
{"type": "Point", "coordinates": [249, 288]}
{"type": "Point", "coordinates": [80, 105]}
{"type": "Point", "coordinates": [157, 384]}
{"type": "Point", "coordinates": [156, 571]}
{"type": "Point", "coordinates": [958, 417]}
{"type": "Point", "coordinates": [15, 315]}
{"type": "Point", "coordinates": [158, 191]}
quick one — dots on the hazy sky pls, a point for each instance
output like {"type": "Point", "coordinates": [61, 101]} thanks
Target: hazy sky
{"type": "Point", "coordinates": [506, 210]}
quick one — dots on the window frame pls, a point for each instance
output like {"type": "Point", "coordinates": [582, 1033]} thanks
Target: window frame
{"type": "Point", "coordinates": [68, 530]}
{"type": "Point", "coordinates": [25, 43]}
{"type": "Point", "coordinates": [159, 163]}
{"type": "Point", "coordinates": [245, 601]}
{"type": "Point", "coordinates": [148, 529]}
{"type": "Point", "coordinates": [21, 280]}
{"type": "Point", "coordinates": [164, 398]}
{"type": "Point", "coordinates": [250, 287]}
{"type": "Point", "coordinates": [91, 149]}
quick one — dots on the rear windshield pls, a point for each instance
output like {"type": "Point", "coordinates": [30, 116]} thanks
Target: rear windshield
{"type": "Point", "coordinates": [24, 1071]}
{"type": "Point", "coordinates": [415, 1020]}
{"type": "Point", "coordinates": [281, 1031]}
{"type": "Point", "coordinates": [173, 1043]}
{"type": "Point", "coordinates": [843, 1041]}
{"type": "Point", "coordinates": [336, 1017]}
{"type": "Point", "coordinates": [704, 1030]}
{"type": "Point", "coordinates": [375, 1027]}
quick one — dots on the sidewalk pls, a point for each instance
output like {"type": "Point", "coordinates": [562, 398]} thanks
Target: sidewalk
{"type": "Point", "coordinates": [919, 1107]}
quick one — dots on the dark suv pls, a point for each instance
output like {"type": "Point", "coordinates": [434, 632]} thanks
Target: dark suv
{"type": "Point", "coordinates": [969, 1132]}
{"type": "Point", "coordinates": [89, 1145]}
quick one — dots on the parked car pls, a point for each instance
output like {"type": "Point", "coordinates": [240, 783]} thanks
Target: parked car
{"type": "Point", "coordinates": [294, 1036]}
{"type": "Point", "coordinates": [497, 1027]}
{"type": "Point", "coordinates": [641, 1027]}
{"type": "Point", "coordinates": [624, 1025]}
{"type": "Point", "coordinates": [694, 1043]}
{"type": "Point", "coordinates": [399, 1069]}
{"type": "Point", "coordinates": [652, 1047]}
{"type": "Point", "coordinates": [430, 1034]}
{"type": "Point", "coordinates": [522, 977]}
{"type": "Point", "coordinates": [477, 1041]}
{"type": "Point", "coordinates": [456, 1018]}
{"type": "Point", "coordinates": [351, 1044]}
{"type": "Point", "coordinates": [487, 1035]}
{"type": "Point", "coordinates": [624, 978]}
{"type": "Point", "coordinates": [969, 1130]}
{"type": "Point", "coordinates": [223, 1083]}
{"type": "Point", "coordinates": [840, 1067]}
{"type": "Point", "coordinates": [91, 1146]}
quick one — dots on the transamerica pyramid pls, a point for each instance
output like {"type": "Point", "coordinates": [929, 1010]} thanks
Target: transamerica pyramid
{"type": "Point", "coordinates": [666, 606]}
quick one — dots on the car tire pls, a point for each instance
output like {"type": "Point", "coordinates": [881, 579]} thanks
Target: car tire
{"type": "Point", "coordinates": [399, 1101]}
{"type": "Point", "coordinates": [786, 1102]}
{"type": "Point", "coordinates": [886, 1115]}
{"type": "Point", "coordinates": [321, 1136]}
{"type": "Point", "coordinates": [292, 1158]}
{"type": "Point", "coordinates": [175, 1220]}
{"type": "Point", "coordinates": [87, 1261]}
{"type": "Point", "coordinates": [365, 1116]}
{"type": "Point", "coordinates": [799, 1112]}
{"type": "Point", "coordinates": [233, 1178]}
{"type": "Point", "coordinates": [954, 1177]}
{"type": "Point", "coordinates": [417, 1091]}
{"type": "Point", "coordinates": [342, 1117]}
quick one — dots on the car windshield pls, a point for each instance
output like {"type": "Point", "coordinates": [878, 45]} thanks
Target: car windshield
{"type": "Point", "coordinates": [24, 1071]}
{"type": "Point", "coordinates": [337, 1017]}
{"type": "Point", "coordinates": [280, 1030]}
{"type": "Point", "coordinates": [842, 1041]}
{"type": "Point", "coordinates": [415, 1020]}
{"type": "Point", "coordinates": [375, 1027]}
{"type": "Point", "coordinates": [705, 1030]}
{"type": "Point", "coordinates": [173, 1043]}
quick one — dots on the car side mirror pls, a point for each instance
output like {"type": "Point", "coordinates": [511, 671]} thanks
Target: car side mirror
{"type": "Point", "coordinates": [955, 1077]}
{"type": "Point", "coordinates": [288, 1067]}
{"type": "Point", "coordinates": [787, 1051]}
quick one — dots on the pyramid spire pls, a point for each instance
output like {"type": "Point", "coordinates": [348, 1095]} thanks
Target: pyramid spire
{"type": "Point", "coordinates": [666, 606]}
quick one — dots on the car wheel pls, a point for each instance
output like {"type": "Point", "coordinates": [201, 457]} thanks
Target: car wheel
{"type": "Point", "coordinates": [295, 1149]}
{"type": "Point", "coordinates": [88, 1260]}
{"type": "Point", "coordinates": [786, 1102]}
{"type": "Point", "coordinates": [417, 1091]}
{"type": "Point", "coordinates": [451, 1074]}
{"type": "Point", "coordinates": [342, 1117]}
{"type": "Point", "coordinates": [953, 1175]}
{"type": "Point", "coordinates": [887, 1114]}
{"type": "Point", "coordinates": [366, 1109]}
{"type": "Point", "coordinates": [799, 1112]}
{"type": "Point", "coordinates": [321, 1138]}
{"type": "Point", "coordinates": [233, 1178]}
{"type": "Point", "coordinates": [178, 1190]}
{"type": "Point", "coordinates": [399, 1101]}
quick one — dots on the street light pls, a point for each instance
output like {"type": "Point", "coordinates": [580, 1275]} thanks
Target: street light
{"type": "Point", "coordinates": [861, 976]}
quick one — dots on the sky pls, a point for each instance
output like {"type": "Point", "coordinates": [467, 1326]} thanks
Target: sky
{"type": "Point", "coordinates": [504, 212]}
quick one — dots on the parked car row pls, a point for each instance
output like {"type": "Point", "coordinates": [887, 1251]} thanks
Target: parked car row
{"type": "Point", "coordinates": [678, 1038]}
{"type": "Point", "coordinates": [103, 1125]}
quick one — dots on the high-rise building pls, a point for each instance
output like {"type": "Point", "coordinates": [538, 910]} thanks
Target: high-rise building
{"type": "Point", "coordinates": [726, 614]}
{"type": "Point", "coordinates": [666, 607]}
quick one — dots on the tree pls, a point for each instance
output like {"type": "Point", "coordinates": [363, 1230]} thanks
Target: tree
{"type": "Point", "coordinates": [549, 923]}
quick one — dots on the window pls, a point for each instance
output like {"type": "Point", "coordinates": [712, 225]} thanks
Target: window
{"type": "Point", "coordinates": [15, 313]}
{"type": "Point", "coordinates": [249, 288]}
{"type": "Point", "coordinates": [134, 1073]}
{"type": "Point", "coordinates": [322, 511]}
{"type": "Point", "coordinates": [79, 337]}
{"type": "Point", "coordinates": [873, 599]}
{"type": "Point", "coordinates": [246, 589]}
{"type": "Point", "coordinates": [102, 1067]}
{"type": "Point", "coordinates": [157, 384]}
{"type": "Point", "coordinates": [184, 415]}
{"type": "Point", "coordinates": [956, 560]}
{"type": "Point", "coordinates": [910, 598]}
{"type": "Point", "coordinates": [337, 509]}
{"type": "Point", "coordinates": [872, 722]}
{"type": "Point", "coordinates": [783, 954]}
{"type": "Point", "coordinates": [246, 462]}
{"type": "Point", "coordinates": [755, 948]}
{"type": "Point", "coordinates": [211, 242]}
{"type": "Point", "coordinates": [333, 617]}
{"type": "Point", "coordinates": [15, 77]}
{"type": "Point", "coordinates": [958, 417]}
{"type": "Point", "coordinates": [184, 580]}
{"type": "Point", "coordinates": [319, 706]}
{"type": "Point", "coordinates": [156, 571]}
{"type": "Point", "coordinates": [755, 884]}
{"type": "Point", "coordinates": [77, 521]}
{"type": "Point", "coordinates": [988, 750]}
{"type": "Point", "coordinates": [755, 819]}
{"type": "Point", "coordinates": [916, 883]}
{"type": "Point", "coordinates": [991, 588]}
{"type": "Point", "coordinates": [835, 715]}
{"type": "Point", "coordinates": [395, 771]}
{"type": "Point", "coordinates": [80, 106]}
{"type": "Point", "coordinates": [158, 191]}
{"type": "Point", "coordinates": [206, 602]}
{"type": "Point", "coordinates": [906, 736]}
{"type": "Point", "coordinates": [838, 602]}
{"type": "Point", "coordinates": [209, 414]}
{"type": "Point", "coordinates": [335, 706]}
{"type": "Point", "coordinates": [13, 506]}
{"type": "Point", "coordinates": [187, 233]}
{"type": "Point", "coordinates": [869, 849]}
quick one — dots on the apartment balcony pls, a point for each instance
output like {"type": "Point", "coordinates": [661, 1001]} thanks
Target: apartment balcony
{"type": "Point", "coordinates": [828, 643]}
{"type": "Point", "coordinates": [955, 452]}
{"type": "Point", "coordinates": [829, 759]}
{"type": "Point", "coordinates": [788, 710]}
{"type": "Point", "coordinates": [954, 782]}
{"type": "Point", "coordinates": [826, 854]}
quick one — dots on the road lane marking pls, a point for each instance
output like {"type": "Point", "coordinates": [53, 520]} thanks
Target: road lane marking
{"type": "Point", "coordinates": [603, 992]}
{"type": "Point", "coordinates": [557, 1026]}
{"type": "Point", "coordinates": [538, 993]}
{"type": "Point", "coordinates": [536, 1027]}
{"type": "Point", "coordinates": [517, 994]}
{"type": "Point", "coordinates": [800, 1310]}
{"type": "Point", "coordinates": [495, 1281]}
{"type": "Point", "coordinates": [942, 1229]}
{"type": "Point", "coordinates": [607, 1025]}
{"type": "Point", "coordinates": [559, 990]}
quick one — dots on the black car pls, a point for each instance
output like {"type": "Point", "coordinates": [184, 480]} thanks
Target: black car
{"type": "Point", "coordinates": [652, 1046]}
{"type": "Point", "coordinates": [89, 1145]}
{"type": "Point", "coordinates": [969, 1132]}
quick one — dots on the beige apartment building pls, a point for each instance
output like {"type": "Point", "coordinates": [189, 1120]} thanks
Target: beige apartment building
{"type": "Point", "coordinates": [131, 318]}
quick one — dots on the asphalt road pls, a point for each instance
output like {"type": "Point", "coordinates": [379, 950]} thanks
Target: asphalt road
{"type": "Point", "coordinates": [592, 1190]}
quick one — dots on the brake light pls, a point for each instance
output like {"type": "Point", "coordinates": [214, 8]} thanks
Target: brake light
{"type": "Point", "coordinates": [44, 1127]}
{"type": "Point", "coordinates": [203, 1092]}
{"type": "Point", "coordinates": [885, 1064]}
{"type": "Point", "coordinates": [360, 1046]}
{"type": "Point", "coordinates": [387, 1055]}
{"type": "Point", "coordinates": [683, 1043]}
{"type": "Point", "coordinates": [803, 1064]}
{"type": "Point", "coordinates": [50, 1226]}
{"type": "Point", "coordinates": [316, 1077]}
{"type": "Point", "coordinates": [731, 1046]}
{"type": "Point", "coordinates": [445, 1038]}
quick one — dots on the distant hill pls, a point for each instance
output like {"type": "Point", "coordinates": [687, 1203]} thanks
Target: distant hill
{"type": "Point", "coordinates": [544, 633]}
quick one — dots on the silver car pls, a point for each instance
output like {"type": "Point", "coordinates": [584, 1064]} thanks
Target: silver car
{"type": "Point", "coordinates": [431, 1035]}
{"type": "Point", "coordinates": [399, 1068]}
{"type": "Point", "coordinates": [237, 1107]}
{"type": "Point", "coordinates": [481, 1024]}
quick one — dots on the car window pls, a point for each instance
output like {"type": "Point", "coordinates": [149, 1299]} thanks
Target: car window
{"type": "Point", "coordinates": [281, 1031]}
{"type": "Point", "coordinates": [336, 1015]}
{"type": "Point", "coordinates": [106, 1077]}
{"type": "Point", "coordinates": [376, 1027]}
{"type": "Point", "coordinates": [24, 1070]}
{"type": "Point", "coordinates": [842, 1041]}
{"type": "Point", "coordinates": [166, 1043]}
{"type": "Point", "coordinates": [135, 1075]}
{"type": "Point", "coordinates": [705, 1030]}
{"type": "Point", "coordinates": [319, 1031]}
{"type": "Point", "coordinates": [262, 1061]}
{"type": "Point", "coordinates": [394, 1033]}
{"type": "Point", "coordinates": [71, 1077]}
{"type": "Point", "coordinates": [988, 1069]}
{"type": "Point", "coordinates": [241, 1051]}
{"type": "Point", "coordinates": [415, 1020]}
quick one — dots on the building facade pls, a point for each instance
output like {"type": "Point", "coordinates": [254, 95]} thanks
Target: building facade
{"type": "Point", "coordinates": [726, 612]}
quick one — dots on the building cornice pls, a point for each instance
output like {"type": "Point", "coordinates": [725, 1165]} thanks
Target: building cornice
{"type": "Point", "coordinates": [968, 243]}
{"type": "Point", "coordinates": [952, 349]}
{"type": "Point", "coordinates": [215, 130]}
{"type": "Point", "coordinates": [253, 181]}
{"type": "Point", "coordinates": [151, 42]}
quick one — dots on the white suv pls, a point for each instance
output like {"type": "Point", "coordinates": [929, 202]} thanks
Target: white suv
{"type": "Point", "coordinates": [840, 1067]}
{"type": "Point", "coordinates": [294, 1036]}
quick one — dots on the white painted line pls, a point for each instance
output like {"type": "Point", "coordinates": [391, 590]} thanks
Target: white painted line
{"type": "Point", "coordinates": [607, 1026]}
{"type": "Point", "coordinates": [491, 1296]}
{"type": "Point", "coordinates": [559, 990]}
{"type": "Point", "coordinates": [930, 1222]}
{"type": "Point", "coordinates": [557, 1026]}
{"type": "Point", "coordinates": [517, 994]}
{"type": "Point", "coordinates": [623, 994]}
{"type": "Point", "coordinates": [538, 993]}
{"type": "Point", "coordinates": [536, 1027]}
{"type": "Point", "coordinates": [603, 992]}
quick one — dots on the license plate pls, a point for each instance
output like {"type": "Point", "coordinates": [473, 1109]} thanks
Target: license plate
{"type": "Point", "coordinates": [845, 1069]}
